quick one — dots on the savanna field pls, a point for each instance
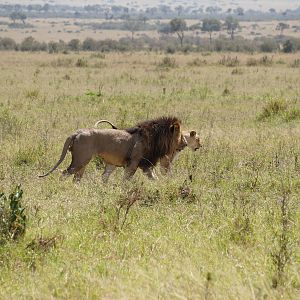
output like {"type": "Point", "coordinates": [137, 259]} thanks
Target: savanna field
{"type": "Point", "coordinates": [224, 225]}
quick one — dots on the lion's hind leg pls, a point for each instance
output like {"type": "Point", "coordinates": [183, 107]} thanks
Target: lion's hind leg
{"type": "Point", "coordinates": [108, 170]}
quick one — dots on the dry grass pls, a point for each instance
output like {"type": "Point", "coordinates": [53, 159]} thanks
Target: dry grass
{"type": "Point", "coordinates": [230, 237]}
{"type": "Point", "coordinates": [54, 29]}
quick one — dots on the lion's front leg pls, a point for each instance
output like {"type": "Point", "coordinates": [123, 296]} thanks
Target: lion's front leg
{"type": "Point", "coordinates": [135, 158]}
{"type": "Point", "coordinates": [165, 165]}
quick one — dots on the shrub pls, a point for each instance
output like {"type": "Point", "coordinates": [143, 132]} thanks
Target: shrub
{"type": "Point", "coordinates": [7, 44]}
{"type": "Point", "coordinates": [168, 62]}
{"type": "Point", "coordinates": [12, 216]}
{"type": "Point", "coordinates": [266, 61]}
{"type": "Point", "coordinates": [288, 47]}
{"type": "Point", "coordinates": [81, 62]}
{"type": "Point", "coordinates": [229, 61]}
{"type": "Point", "coordinates": [272, 108]}
{"type": "Point", "coordinates": [268, 45]}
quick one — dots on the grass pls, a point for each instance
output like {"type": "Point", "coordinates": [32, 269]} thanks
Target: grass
{"type": "Point", "coordinates": [231, 230]}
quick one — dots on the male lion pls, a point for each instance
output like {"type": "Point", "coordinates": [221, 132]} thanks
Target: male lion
{"type": "Point", "coordinates": [140, 146]}
{"type": "Point", "coordinates": [192, 141]}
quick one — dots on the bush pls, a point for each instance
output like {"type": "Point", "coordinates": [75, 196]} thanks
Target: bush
{"type": "Point", "coordinates": [30, 44]}
{"type": "Point", "coordinates": [168, 62]}
{"type": "Point", "coordinates": [269, 45]}
{"type": "Point", "coordinates": [229, 61]}
{"type": "Point", "coordinates": [81, 62]}
{"type": "Point", "coordinates": [288, 47]}
{"type": "Point", "coordinates": [12, 216]}
{"type": "Point", "coordinates": [272, 108]}
{"type": "Point", "coordinates": [7, 44]}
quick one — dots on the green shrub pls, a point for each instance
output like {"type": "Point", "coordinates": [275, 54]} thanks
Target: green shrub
{"type": "Point", "coordinates": [272, 108]}
{"type": "Point", "coordinates": [292, 114]}
{"type": "Point", "coordinates": [12, 216]}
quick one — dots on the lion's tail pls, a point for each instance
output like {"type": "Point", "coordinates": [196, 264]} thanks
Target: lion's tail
{"type": "Point", "coordinates": [105, 121]}
{"type": "Point", "coordinates": [67, 145]}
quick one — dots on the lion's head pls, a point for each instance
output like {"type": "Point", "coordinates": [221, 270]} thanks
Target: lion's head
{"type": "Point", "coordinates": [193, 139]}
{"type": "Point", "coordinates": [160, 137]}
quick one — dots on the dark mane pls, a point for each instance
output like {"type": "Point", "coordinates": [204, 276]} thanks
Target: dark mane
{"type": "Point", "coordinates": [160, 137]}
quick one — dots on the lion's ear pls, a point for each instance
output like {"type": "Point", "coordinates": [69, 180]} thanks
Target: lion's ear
{"type": "Point", "coordinates": [175, 127]}
{"type": "Point", "coordinates": [193, 133]}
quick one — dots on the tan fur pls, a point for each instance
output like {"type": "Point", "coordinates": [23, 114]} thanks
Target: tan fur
{"type": "Point", "coordinates": [140, 146]}
{"type": "Point", "coordinates": [193, 142]}
{"type": "Point", "coordinates": [189, 138]}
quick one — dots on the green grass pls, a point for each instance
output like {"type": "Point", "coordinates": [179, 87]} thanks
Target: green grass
{"type": "Point", "coordinates": [232, 232]}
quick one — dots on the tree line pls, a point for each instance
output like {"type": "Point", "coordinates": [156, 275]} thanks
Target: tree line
{"type": "Point", "coordinates": [167, 43]}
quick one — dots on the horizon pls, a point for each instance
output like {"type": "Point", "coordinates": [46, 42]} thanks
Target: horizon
{"type": "Point", "coordinates": [264, 5]}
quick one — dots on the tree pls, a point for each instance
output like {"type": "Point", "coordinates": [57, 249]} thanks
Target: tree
{"type": "Point", "coordinates": [22, 17]}
{"type": "Point", "coordinates": [143, 18]}
{"type": "Point", "coordinates": [210, 25]}
{"type": "Point", "coordinates": [231, 25]}
{"type": "Point", "coordinates": [239, 11]}
{"type": "Point", "coordinates": [132, 25]}
{"type": "Point", "coordinates": [18, 16]}
{"type": "Point", "coordinates": [74, 45]}
{"type": "Point", "coordinates": [179, 10]}
{"type": "Point", "coordinates": [288, 47]}
{"type": "Point", "coordinates": [178, 26]}
{"type": "Point", "coordinates": [14, 16]}
{"type": "Point", "coordinates": [282, 26]}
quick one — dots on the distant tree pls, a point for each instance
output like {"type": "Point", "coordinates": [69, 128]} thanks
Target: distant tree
{"type": "Point", "coordinates": [282, 26]}
{"type": "Point", "coordinates": [231, 25]}
{"type": "Point", "coordinates": [288, 47]}
{"type": "Point", "coordinates": [239, 11]}
{"type": "Point", "coordinates": [213, 9]}
{"type": "Point", "coordinates": [143, 18]}
{"type": "Point", "coordinates": [272, 10]}
{"type": "Point", "coordinates": [116, 9]}
{"type": "Point", "coordinates": [210, 25]}
{"type": "Point", "coordinates": [164, 28]}
{"type": "Point", "coordinates": [74, 45]}
{"type": "Point", "coordinates": [151, 11]}
{"type": "Point", "coordinates": [22, 17]}
{"type": "Point", "coordinates": [7, 44]}
{"type": "Point", "coordinates": [89, 44]}
{"type": "Point", "coordinates": [132, 25]}
{"type": "Point", "coordinates": [18, 16]}
{"type": "Point", "coordinates": [46, 8]}
{"type": "Point", "coordinates": [179, 9]}
{"type": "Point", "coordinates": [178, 26]}
{"type": "Point", "coordinates": [14, 16]}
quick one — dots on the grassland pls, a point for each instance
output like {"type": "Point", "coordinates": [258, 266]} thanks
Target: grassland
{"type": "Point", "coordinates": [233, 234]}
{"type": "Point", "coordinates": [54, 29]}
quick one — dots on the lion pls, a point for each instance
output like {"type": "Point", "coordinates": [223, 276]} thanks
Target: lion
{"type": "Point", "coordinates": [192, 141]}
{"type": "Point", "coordinates": [141, 146]}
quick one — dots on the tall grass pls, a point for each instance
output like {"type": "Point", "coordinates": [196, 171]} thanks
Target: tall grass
{"type": "Point", "coordinates": [223, 225]}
